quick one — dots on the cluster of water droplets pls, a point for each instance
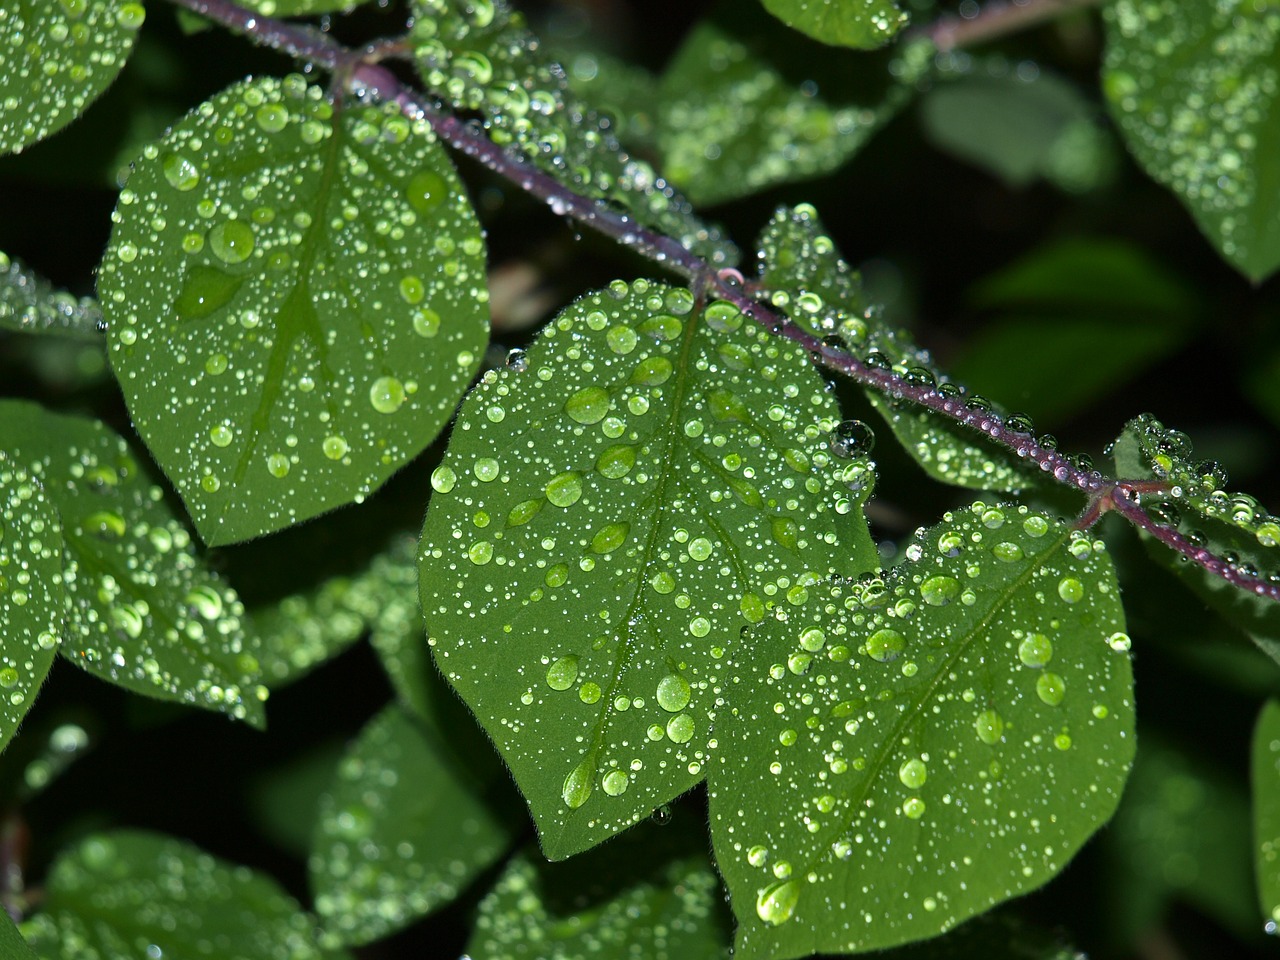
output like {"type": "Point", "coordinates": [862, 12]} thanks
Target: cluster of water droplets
{"type": "Point", "coordinates": [55, 58]}
{"type": "Point", "coordinates": [883, 784]}
{"type": "Point", "coordinates": [480, 55]}
{"type": "Point", "coordinates": [320, 325]}
{"type": "Point", "coordinates": [615, 506]}
{"type": "Point", "coordinates": [29, 303]}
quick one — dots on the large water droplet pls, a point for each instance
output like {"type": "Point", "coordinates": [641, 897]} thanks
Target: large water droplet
{"type": "Point", "coordinates": [885, 645]}
{"type": "Point", "coordinates": [674, 693]}
{"type": "Point", "coordinates": [939, 591]}
{"type": "Point", "coordinates": [913, 773]}
{"type": "Point", "coordinates": [577, 785]}
{"type": "Point", "coordinates": [180, 172]}
{"type": "Point", "coordinates": [205, 290]}
{"type": "Point", "coordinates": [990, 726]}
{"type": "Point", "coordinates": [1036, 650]}
{"type": "Point", "coordinates": [565, 489]}
{"type": "Point", "coordinates": [426, 191]}
{"type": "Point", "coordinates": [852, 439]}
{"type": "Point", "coordinates": [231, 241]}
{"type": "Point", "coordinates": [589, 405]}
{"type": "Point", "coordinates": [562, 674]}
{"type": "Point", "coordinates": [387, 394]}
{"type": "Point", "coordinates": [615, 783]}
{"type": "Point", "coordinates": [777, 903]}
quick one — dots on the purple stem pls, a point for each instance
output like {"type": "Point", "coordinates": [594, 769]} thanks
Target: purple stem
{"type": "Point", "coordinates": [370, 79]}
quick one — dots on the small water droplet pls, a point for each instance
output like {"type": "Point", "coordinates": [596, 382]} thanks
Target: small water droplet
{"type": "Point", "coordinates": [577, 785]}
{"type": "Point", "coordinates": [939, 591]}
{"type": "Point", "coordinates": [425, 192]}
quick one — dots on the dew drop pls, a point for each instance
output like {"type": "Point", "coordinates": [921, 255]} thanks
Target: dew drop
{"type": "Point", "coordinates": [913, 773]}
{"type": "Point", "coordinates": [272, 117]}
{"type": "Point", "coordinates": [412, 290]}
{"type": "Point", "coordinates": [1035, 650]}
{"type": "Point", "coordinates": [885, 645]}
{"type": "Point", "coordinates": [680, 728]}
{"type": "Point", "coordinates": [1007, 552]}
{"type": "Point", "coordinates": [673, 693]}
{"type": "Point", "coordinates": [180, 172]}
{"type": "Point", "coordinates": [426, 323]}
{"type": "Point", "coordinates": [913, 808]}
{"type": "Point", "coordinates": [335, 448]}
{"type": "Point", "coordinates": [577, 785]}
{"type": "Point", "coordinates": [589, 405]}
{"type": "Point", "coordinates": [615, 783]}
{"type": "Point", "coordinates": [1051, 688]}
{"type": "Point", "coordinates": [610, 537]}
{"type": "Point", "coordinates": [565, 489]}
{"type": "Point", "coordinates": [589, 692]}
{"type": "Point", "coordinates": [221, 435]}
{"type": "Point", "coordinates": [757, 856]}
{"type": "Point", "coordinates": [425, 192]}
{"type": "Point", "coordinates": [443, 479]}
{"type": "Point", "coordinates": [852, 439]}
{"type": "Point", "coordinates": [776, 904]}
{"type": "Point", "coordinates": [562, 674]}
{"type": "Point", "coordinates": [990, 727]}
{"type": "Point", "coordinates": [205, 290]}
{"type": "Point", "coordinates": [387, 395]}
{"type": "Point", "coordinates": [485, 469]}
{"type": "Point", "coordinates": [480, 552]}
{"type": "Point", "coordinates": [1071, 590]}
{"type": "Point", "coordinates": [939, 591]}
{"type": "Point", "coordinates": [231, 241]}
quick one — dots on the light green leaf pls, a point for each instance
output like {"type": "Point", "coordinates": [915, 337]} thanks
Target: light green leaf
{"type": "Point", "coordinates": [113, 891]}
{"type": "Point", "coordinates": [32, 597]}
{"type": "Point", "coordinates": [30, 304]}
{"type": "Point", "coordinates": [401, 832]}
{"type": "Point", "coordinates": [307, 287]}
{"type": "Point", "coordinates": [296, 8]}
{"type": "Point", "coordinates": [59, 56]}
{"type": "Point", "coordinates": [482, 56]}
{"type": "Point", "coordinates": [861, 24]}
{"type": "Point", "coordinates": [1266, 812]}
{"type": "Point", "coordinates": [814, 286]}
{"type": "Point", "coordinates": [639, 896]}
{"type": "Point", "coordinates": [1193, 87]}
{"type": "Point", "coordinates": [143, 611]}
{"type": "Point", "coordinates": [11, 943]}
{"type": "Point", "coordinates": [610, 514]}
{"type": "Point", "coordinates": [911, 750]}
{"type": "Point", "coordinates": [1021, 130]}
{"type": "Point", "coordinates": [736, 114]}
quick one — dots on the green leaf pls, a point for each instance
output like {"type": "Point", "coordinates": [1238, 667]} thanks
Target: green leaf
{"type": "Point", "coordinates": [12, 945]}
{"type": "Point", "coordinates": [114, 891]}
{"type": "Point", "coordinates": [30, 304]}
{"type": "Point", "coordinates": [736, 114]}
{"type": "Point", "coordinates": [1266, 811]}
{"type": "Point", "coordinates": [32, 596]}
{"type": "Point", "coordinates": [59, 56]}
{"type": "Point", "coordinates": [143, 611]}
{"type": "Point", "coordinates": [641, 896]}
{"type": "Point", "coordinates": [993, 936]}
{"type": "Point", "coordinates": [611, 513]}
{"type": "Point", "coordinates": [911, 750]}
{"type": "Point", "coordinates": [482, 56]}
{"type": "Point", "coordinates": [306, 286]}
{"type": "Point", "coordinates": [296, 8]}
{"type": "Point", "coordinates": [401, 833]}
{"type": "Point", "coordinates": [818, 290]}
{"type": "Point", "coordinates": [1020, 130]}
{"type": "Point", "coordinates": [1084, 315]}
{"type": "Point", "coordinates": [861, 24]}
{"type": "Point", "coordinates": [1193, 89]}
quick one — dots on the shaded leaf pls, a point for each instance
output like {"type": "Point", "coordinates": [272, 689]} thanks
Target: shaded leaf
{"type": "Point", "coordinates": [814, 286]}
{"type": "Point", "coordinates": [143, 611]}
{"type": "Point", "coordinates": [741, 109]}
{"type": "Point", "coordinates": [58, 58]}
{"type": "Point", "coordinates": [285, 799]}
{"type": "Point", "coordinates": [1266, 812]}
{"type": "Point", "coordinates": [295, 8]}
{"type": "Point", "coordinates": [30, 304]}
{"type": "Point", "coordinates": [610, 514]}
{"type": "Point", "coordinates": [1020, 130]}
{"type": "Point", "coordinates": [641, 896]}
{"type": "Point", "coordinates": [993, 936]}
{"type": "Point", "coordinates": [114, 891]}
{"type": "Point", "coordinates": [1084, 315]}
{"type": "Point", "coordinates": [861, 24]}
{"type": "Point", "coordinates": [322, 325]}
{"type": "Point", "coordinates": [1193, 89]}
{"type": "Point", "coordinates": [400, 833]}
{"type": "Point", "coordinates": [12, 945]}
{"type": "Point", "coordinates": [913, 749]}
{"type": "Point", "coordinates": [32, 596]}
{"type": "Point", "coordinates": [482, 56]}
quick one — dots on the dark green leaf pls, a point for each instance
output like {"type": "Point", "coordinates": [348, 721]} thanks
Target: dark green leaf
{"type": "Point", "coordinates": [12, 946]}
{"type": "Point", "coordinates": [862, 24]}
{"type": "Point", "coordinates": [912, 750]}
{"type": "Point", "coordinates": [29, 304]}
{"type": "Point", "coordinates": [143, 611]}
{"type": "Point", "coordinates": [1263, 382]}
{"type": "Point", "coordinates": [295, 8]}
{"type": "Point", "coordinates": [59, 56]}
{"type": "Point", "coordinates": [1084, 315]}
{"type": "Point", "coordinates": [993, 936]}
{"type": "Point", "coordinates": [32, 597]}
{"type": "Point", "coordinates": [482, 56]}
{"type": "Point", "coordinates": [611, 513]}
{"type": "Point", "coordinates": [1266, 812]}
{"type": "Point", "coordinates": [1021, 130]}
{"type": "Point", "coordinates": [814, 286]}
{"type": "Point", "coordinates": [400, 834]}
{"type": "Point", "coordinates": [733, 119]}
{"type": "Point", "coordinates": [1192, 88]}
{"type": "Point", "coordinates": [313, 331]}
{"type": "Point", "coordinates": [640, 896]}
{"type": "Point", "coordinates": [130, 894]}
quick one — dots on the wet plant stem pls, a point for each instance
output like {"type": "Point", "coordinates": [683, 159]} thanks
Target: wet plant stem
{"type": "Point", "coordinates": [364, 78]}
{"type": "Point", "coordinates": [996, 20]}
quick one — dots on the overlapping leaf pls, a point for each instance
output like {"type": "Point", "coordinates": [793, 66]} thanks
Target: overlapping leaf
{"type": "Point", "coordinates": [58, 57]}
{"type": "Point", "coordinates": [142, 610]}
{"type": "Point", "coordinates": [612, 511]}
{"type": "Point", "coordinates": [295, 299]}
{"type": "Point", "coordinates": [1194, 88]}
{"type": "Point", "coordinates": [482, 56]}
{"type": "Point", "coordinates": [402, 831]}
{"type": "Point", "coordinates": [32, 597]}
{"type": "Point", "coordinates": [1266, 812]}
{"type": "Point", "coordinates": [12, 943]}
{"type": "Point", "coordinates": [862, 24]}
{"type": "Point", "coordinates": [29, 303]}
{"type": "Point", "coordinates": [910, 750]}
{"type": "Point", "coordinates": [645, 895]}
{"type": "Point", "coordinates": [818, 290]}
{"type": "Point", "coordinates": [114, 891]}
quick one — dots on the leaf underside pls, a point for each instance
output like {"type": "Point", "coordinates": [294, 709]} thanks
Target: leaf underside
{"type": "Point", "coordinates": [610, 514]}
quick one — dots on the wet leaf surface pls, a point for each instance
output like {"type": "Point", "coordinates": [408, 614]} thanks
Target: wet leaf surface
{"type": "Point", "coordinates": [1266, 812]}
{"type": "Point", "coordinates": [861, 24]}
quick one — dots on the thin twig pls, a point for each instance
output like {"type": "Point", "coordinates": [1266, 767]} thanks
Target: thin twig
{"type": "Point", "coordinates": [995, 20]}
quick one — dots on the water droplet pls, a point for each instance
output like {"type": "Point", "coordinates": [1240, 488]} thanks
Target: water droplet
{"type": "Point", "coordinates": [387, 395]}
{"type": "Point", "coordinates": [674, 693]}
{"type": "Point", "coordinates": [335, 448]}
{"type": "Point", "coordinates": [757, 856]}
{"type": "Point", "coordinates": [1035, 526]}
{"type": "Point", "coordinates": [562, 674]}
{"type": "Point", "coordinates": [589, 692]}
{"type": "Point", "coordinates": [221, 435]}
{"type": "Point", "coordinates": [577, 785]}
{"type": "Point", "coordinates": [485, 469]}
{"type": "Point", "coordinates": [680, 728]}
{"type": "Point", "coordinates": [776, 904]}
{"type": "Point", "coordinates": [589, 405]}
{"type": "Point", "coordinates": [180, 172]}
{"type": "Point", "coordinates": [610, 537]}
{"type": "Point", "coordinates": [615, 783]}
{"type": "Point", "coordinates": [480, 552]}
{"type": "Point", "coordinates": [231, 241]}
{"type": "Point", "coordinates": [443, 479]}
{"type": "Point", "coordinates": [205, 291]}
{"type": "Point", "coordinates": [1035, 650]}
{"type": "Point", "coordinates": [913, 773]}
{"type": "Point", "coordinates": [426, 322]}
{"type": "Point", "coordinates": [1120, 642]}
{"type": "Point", "coordinates": [652, 372]}
{"type": "Point", "coordinates": [1007, 552]}
{"type": "Point", "coordinates": [523, 512]}
{"type": "Point", "coordinates": [913, 808]}
{"type": "Point", "coordinates": [9, 678]}
{"type": "Point", "coordinates": [662, 582]}
{"type": "Point", "coordinates": [105, 524]}
{"type": "Point", "coordinates": [852, 439]}
{"type": "Point", "coordinates": [990, 726]}
{"type": "Point", "coordinates": [272, 117]}
{"type": "Point", "coordinates": [425, 192]}
{"type": "Point", "coordinates": [566, 489]}
{"type": "Point", "coordinates": [1051, 688]}
{"type": "Point", "coordinates": [1071, 590]}
{"type": "Point", "coordinates": [885, 645]}
{"type": "Point", "coordinates": [939, 591]}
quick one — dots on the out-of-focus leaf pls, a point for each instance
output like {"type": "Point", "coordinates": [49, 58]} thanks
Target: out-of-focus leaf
{"type": "Point", "coordinates": [1266, 812]}
{"type": "Point", "coordinates": [30, 304]}
{"type": "Point", "coordinates": [861, 24]}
